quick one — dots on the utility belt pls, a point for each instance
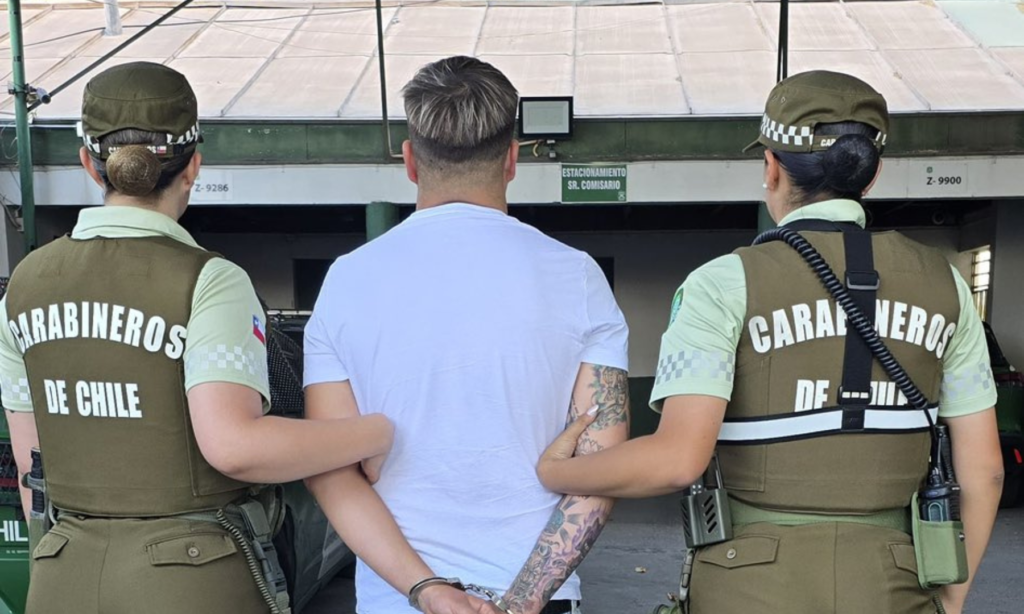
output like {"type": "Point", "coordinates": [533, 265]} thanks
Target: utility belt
{"type": "Point", "coordinates": [251, 522]}
{"type": "Point", "coordinates": [934, 518]}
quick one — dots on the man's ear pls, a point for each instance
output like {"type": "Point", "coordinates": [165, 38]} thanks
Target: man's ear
{"type": "Point", "coordinates": [875, 179]}
{"type": "Point", "coordinates": [90, 168]}
{"type": "Point", "coordinates": [511, 161]}
{"type": "Point", "coordinates": [410, 162]}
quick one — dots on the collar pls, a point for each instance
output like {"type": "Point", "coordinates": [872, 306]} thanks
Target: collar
{"type": "Point", "coordinates": [456, 208]}
{"type": "Point", "coordinates": [120, 222]}
{"type": "Point", "coordinates": [838, 210]}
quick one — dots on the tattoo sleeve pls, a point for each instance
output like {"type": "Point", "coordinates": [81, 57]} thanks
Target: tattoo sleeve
{"type": "Point", "coordinates": [577, 522]}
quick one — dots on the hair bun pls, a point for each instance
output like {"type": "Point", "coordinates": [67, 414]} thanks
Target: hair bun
{"type": "Point", "coordinates": [133, 170]}
{"type": "Point", "coordinates": [850, 164]}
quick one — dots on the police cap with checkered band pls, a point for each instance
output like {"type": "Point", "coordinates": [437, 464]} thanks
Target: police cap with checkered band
{"type": "Point", "coordinates": [800, 103]}
{"type": "Point", "coordinates": [141, 96]}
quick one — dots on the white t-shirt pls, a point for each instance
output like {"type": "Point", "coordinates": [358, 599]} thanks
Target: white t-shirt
{"type": "Point", "coordinates": [467, 329]}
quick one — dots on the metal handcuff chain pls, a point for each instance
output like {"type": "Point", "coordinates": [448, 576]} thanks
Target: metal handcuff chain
{"type": "Point", "coordinates": [494, 598]}
{"type": "Point", "coordinates": [855, 317]}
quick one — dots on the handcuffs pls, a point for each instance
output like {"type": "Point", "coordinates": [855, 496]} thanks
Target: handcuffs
{"type": "Point", "coordinates": [494, 598]}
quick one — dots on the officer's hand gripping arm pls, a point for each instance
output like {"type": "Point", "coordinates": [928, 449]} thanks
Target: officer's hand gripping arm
{"type": "Point", "coordinates": [577, 522]}
{"type": "Point", "coordinates": [668, 461]}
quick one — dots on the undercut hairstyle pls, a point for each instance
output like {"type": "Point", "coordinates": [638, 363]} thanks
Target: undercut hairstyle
{"type": "Point", "coordinates": [844, 170]}
{"type": "Point", "coordinates": [462, 114]}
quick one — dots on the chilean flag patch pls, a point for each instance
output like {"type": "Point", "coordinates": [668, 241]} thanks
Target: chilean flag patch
{"type": "Point", "coordinates": [258, 330]}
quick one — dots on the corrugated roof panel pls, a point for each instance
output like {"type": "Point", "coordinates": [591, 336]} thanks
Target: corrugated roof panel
{"type": "Point", "coordinates": [336, 32]}
{"type": "Point", "coordinates": [538, 31]}
{"type": "Point", "coordinates": [653, 87]}
{"type": "Point", "coordinates": [816, 27]}
{"type": "Point", "coordinates": [1013, 57]}
{"type": "Point", "coordinates": [365, 99]}
{"type": "Point", "coordinates": [160, 42]}
{"type": "Point", "coordinates": [5, 22]}
{"type": "Point", "coordinates": [34, 68]}
{"type": "Point", "coordinates": [437, 31]}
{"type": "Point", "coordinates": [909, 25]}
{"type": "Point", "coordinates": [60, 32]}
{"type": "Point", "coordinates": [244, 33]}
{"type": "Point", "coordinates": [536, 75]}
{"type": "Point", "coordinates": [298, 87]}
{"type": "Point", "coordinates": [621, 29]}
{"type": "Point", "coordinates": [718, 27]}
{"type": "Point", "coordinates": [728, 83]}
{"type": "Point", "coordinates": [871, 66]}
{"type": "Point", "coordinates": [993, 24]}
{"type": "Point", "coordinates": [959, 79]}
{"type": "Point", "coordinates": [217, 80]}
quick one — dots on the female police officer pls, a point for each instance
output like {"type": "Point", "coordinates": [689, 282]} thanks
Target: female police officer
{"type": "Point", "coordinates": [138, 359]}
{"type": "Point", "coordinates": [757, 361]}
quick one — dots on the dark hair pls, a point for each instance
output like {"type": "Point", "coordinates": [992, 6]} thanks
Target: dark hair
{"type": "Point", "coordinates": [844, 170]}
{"type": "Point", "coordinates": [132, 169]}
{"type": "Point", "coordinates": [461, 111]}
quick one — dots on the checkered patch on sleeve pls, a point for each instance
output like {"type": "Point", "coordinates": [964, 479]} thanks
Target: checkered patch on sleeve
{"type": "Point", "coordinates": [696, 364]}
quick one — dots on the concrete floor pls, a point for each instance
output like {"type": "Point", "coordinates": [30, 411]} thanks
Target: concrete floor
{"type": "Point", "coordinates": [645, 534]}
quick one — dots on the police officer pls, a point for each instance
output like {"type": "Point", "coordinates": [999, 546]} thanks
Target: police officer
{"type": "Point", "coordinates": [821, 456]}
{"type": "Point", "coordinates": [136, 360]}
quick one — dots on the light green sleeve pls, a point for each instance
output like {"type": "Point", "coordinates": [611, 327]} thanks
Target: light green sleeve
{"type": "Point", "coordinates": [227, 331]}
{"type": "Point", "coordinates": [698, 351]}
{"type": "Point", "coordinates": [14, 390]}
{"type": "Point", "coordinates": [967, 383]}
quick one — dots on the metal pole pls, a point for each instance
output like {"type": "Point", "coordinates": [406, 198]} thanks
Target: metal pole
{"type": "Point", "coordinates": [113, 15]}
{"type": "Point", "coordinates": [385, 126]}
{"type": "Point", "coordinates": [380, 218]}
{"type": "Point", "coordinates": [783, 64]}
{"type": "Point", "coordinates": [20, 91]}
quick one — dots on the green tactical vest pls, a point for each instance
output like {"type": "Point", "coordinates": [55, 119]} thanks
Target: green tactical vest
{"type": "Point", "coordinates": [789, 364]}
{"type": "Point", "coordinates": [102, 324]}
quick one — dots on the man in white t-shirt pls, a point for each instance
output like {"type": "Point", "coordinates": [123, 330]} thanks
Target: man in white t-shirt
{"type": "Point", "coordinates": [478, 337]}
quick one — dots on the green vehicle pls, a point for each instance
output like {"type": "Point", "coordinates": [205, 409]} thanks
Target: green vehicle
{"type": "Point", "coordinates": [1010, 417]}
{"type": "Point", "coordinates": [311, 553]}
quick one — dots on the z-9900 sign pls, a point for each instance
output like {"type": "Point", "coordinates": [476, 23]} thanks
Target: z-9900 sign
{"type": "Point", "coordinates": [945, 180]}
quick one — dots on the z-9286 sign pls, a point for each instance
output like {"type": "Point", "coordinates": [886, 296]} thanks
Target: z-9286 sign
{"type": "Point", "coordinates": [212, 185]}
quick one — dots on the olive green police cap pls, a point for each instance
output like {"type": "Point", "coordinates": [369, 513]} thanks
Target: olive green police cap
{"type": "Point", "coordinates": [140, 96]}
{"type": "Point", "coordinates": [797, 105]}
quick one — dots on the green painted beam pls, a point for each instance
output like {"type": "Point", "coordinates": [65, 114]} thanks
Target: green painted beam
{"type": "Point", "coordinates": [380, 218]}
{"type": "Point", "coordinates": [595, 140]}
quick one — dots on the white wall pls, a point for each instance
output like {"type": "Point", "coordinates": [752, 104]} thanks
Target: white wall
{"type": "Point", "coordinates": [1008, 280]}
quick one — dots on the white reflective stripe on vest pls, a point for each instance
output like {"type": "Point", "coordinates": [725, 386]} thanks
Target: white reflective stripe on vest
{"type": "Point", "coordinates": [826, 422]}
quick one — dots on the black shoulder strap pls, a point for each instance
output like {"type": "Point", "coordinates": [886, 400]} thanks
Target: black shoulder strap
{"type": "Point", "coordinates": [862, 282]}
{"type": "Point", "coordinates": [856, 319]}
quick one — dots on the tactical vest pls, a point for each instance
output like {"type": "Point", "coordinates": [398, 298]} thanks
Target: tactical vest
{"type": "Point", "coordinates": [102, 324]}
{"type": "Point", "coordinates": [785, 444]}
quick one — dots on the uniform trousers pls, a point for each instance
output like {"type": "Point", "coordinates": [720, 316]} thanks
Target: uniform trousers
{"type": "Point", "coordinates": [822, 568]}
{"type": "Point", "coordinates": [90, 565]}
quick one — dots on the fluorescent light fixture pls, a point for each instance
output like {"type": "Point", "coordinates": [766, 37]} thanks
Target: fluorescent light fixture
{"type": "Point", "coordinates": [545, 117]}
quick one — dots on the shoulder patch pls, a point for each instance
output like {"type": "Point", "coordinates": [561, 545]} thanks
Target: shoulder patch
{"type": "Point", "coordinates": [677, 302]}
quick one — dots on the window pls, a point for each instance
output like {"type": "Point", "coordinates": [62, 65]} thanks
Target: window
{"type": "Point", "coordinates": [981, 279]}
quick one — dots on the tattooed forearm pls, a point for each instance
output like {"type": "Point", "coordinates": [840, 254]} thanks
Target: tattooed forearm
{"type": "Point", "coordinates": [610, 392]}
{"type": "Point", "coordinates": [570, 534]}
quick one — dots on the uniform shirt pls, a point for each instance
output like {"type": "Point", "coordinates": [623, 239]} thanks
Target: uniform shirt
{"type": "Point", "coordinates": [226, 329]}
{"type": "Point", "coordinates": [467, 329]}
{"type": "Point", "coordinates": [707, 323]}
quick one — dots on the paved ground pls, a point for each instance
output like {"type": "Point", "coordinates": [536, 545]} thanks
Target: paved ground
{"type": "Point", "coordinates": [646, 535]}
